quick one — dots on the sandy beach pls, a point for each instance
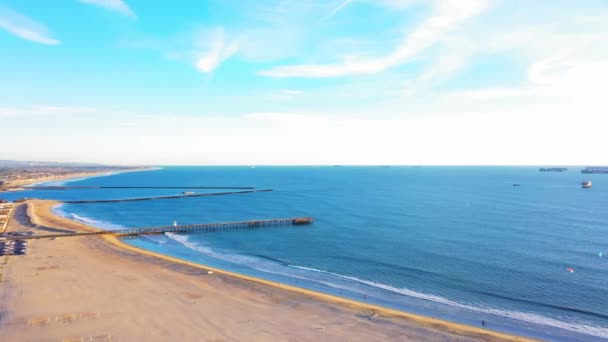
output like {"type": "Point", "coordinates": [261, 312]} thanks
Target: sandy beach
{"type": "Point", "coordinates": [97, 288]}
{"type": "Point", "coordinates": [29, 181]}
{"type": "Point", "coordinates": [17, 184]}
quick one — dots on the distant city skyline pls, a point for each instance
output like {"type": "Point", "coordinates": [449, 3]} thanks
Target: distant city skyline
{"type": "Point", "coordinates": [353, 82]}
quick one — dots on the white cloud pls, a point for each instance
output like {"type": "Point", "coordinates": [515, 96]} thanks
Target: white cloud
{"type": "Point", "coordinates": [398, 4]}
{"type": "Point", "coordinates": [43, 110]}
{"type": "Point", "coordinates": [339, 8]}
{"type": "Point", "coordinates": [291, 92]}
{"type": "Point", "coordinates": [284, 94]}
{"type": "Point", "coordinates": [113, 5]}
{"type": "Point", "coordinates": [291, 120]}
{"type": "Point", "coordinates": [488, 93]}
{"type": "Point", "coordinates": [24, 27]}
{"type": "Point", "coordinates": [447, 16]}
{"type": "Point", "coordinates": [458, 137]}
{"type": "Point", "coordinates": [217, 50]}
{"type": "Point", "coordinates": [574, 80]}
{"type": "Point", "coordinates": [564, 68]}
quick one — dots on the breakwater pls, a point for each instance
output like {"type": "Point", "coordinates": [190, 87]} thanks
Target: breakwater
{"type": "Point", "coordinates": [168, 197]}
{"type": "Point", "coordinates": [62, 187]}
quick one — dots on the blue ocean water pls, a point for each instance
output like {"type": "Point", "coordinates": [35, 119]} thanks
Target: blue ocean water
{"type": "Point", "coordinates": [457, 243]}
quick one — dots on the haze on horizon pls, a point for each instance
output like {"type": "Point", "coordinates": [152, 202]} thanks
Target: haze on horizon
{"type": "Point", "coordinates": [223, 82]}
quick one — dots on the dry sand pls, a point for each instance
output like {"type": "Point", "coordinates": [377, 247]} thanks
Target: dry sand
{"type": "Point", "coordinates": [17, 184]}
{"type": "Point", "coordinates": [28, 181]}
{"type": "Point", "coordinates": [96, 289]}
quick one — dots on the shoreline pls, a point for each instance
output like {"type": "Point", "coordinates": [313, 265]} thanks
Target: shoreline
{"type": "Point", "coordinates": [18, 185]}
{"type": "Point", "coordinates": [376, 309]}
{"type": "Point", "coordinates": [92, 288]}
{"type": "Point", "coordinates": [444, 325]}
{"type": "Point", "coordinates": [455, 330]}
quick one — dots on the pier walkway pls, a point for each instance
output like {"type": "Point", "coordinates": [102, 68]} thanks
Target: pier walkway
{"type": "Point", "coordinates": [207, 227]}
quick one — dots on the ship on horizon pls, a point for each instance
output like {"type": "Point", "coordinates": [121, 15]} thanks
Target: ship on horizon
{"type": "Point", "coordinates": [552, 169]}
{"type": "Point", "coordinates": [595, 169]}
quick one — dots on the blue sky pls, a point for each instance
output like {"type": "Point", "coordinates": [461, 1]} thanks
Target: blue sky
{"type": "Point", "coordinates": [304, 82]}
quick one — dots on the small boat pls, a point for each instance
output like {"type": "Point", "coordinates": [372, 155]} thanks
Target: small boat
{"type": "Point", "coordinates": [188, 193]}
{"type": "Point", "coordinates": [516, 184]}
{"type": "Point", "coordinates": [586, 184]}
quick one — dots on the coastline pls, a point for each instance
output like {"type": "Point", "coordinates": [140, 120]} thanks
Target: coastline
{"type": "Point", "coordinates": [17, 185]}
{"type": "Point", "coordinates": [457, 328]}
{"type": "Point", "coordinates": [41, 213]}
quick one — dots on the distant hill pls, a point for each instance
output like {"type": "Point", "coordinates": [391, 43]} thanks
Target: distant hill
{"type": "Point", "coordinates": [18, 163]}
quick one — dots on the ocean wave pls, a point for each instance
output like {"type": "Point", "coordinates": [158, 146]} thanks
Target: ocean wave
{"type": "Point", "coordinates": [517, 315]}
{"type": "Point", "coordinates": [96, 223]}
{"type": "Point", "coordinates": [59, 210]}
{"type": "Point", "coordinates": [154, 238]}
{"type": "Point", "coordinates": [233, 258]}
{"type": "Point", "coordinates": [336, 280]}
{"type": "Point", "coordinates": [259, 263]}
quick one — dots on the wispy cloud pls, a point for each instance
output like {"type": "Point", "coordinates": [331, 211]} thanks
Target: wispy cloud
{"type": "Point", "coordinates": [285, 94]}
{"type": "Point", "coordinates": [291, 92]}
{"type": "Point", "coordinates": [567, 80]}
{"type": "Point", "coordinates": [447, 16]}
{"type": "Point", "coordinates": [217, 50]}
{"type": "Point", "coordinates": [113, 5]}
{"type": "Point", "coordinates": [24, 27]}
{"type": "Point", "coordinates": [289, 119]}
{"type": "Point", "coordinates": [44, 110]}
{"type": "Point", "coordinates": [559, 66]}
{"type": "Point", "coordinates": [338, 9]}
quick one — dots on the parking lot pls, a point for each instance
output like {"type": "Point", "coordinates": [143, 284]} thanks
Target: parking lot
{"type": "Point", "coordinates": [13, 247]}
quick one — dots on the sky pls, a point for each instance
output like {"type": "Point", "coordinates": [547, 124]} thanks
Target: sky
{"type": "Point", "coordinates": [279, 82]}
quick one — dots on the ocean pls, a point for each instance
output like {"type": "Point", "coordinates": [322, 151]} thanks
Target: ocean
{"type": "Point", "coordinates": [455, 243]}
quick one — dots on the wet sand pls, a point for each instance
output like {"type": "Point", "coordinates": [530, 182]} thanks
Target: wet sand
{"type": "Point", "coordinates": [97, 288]}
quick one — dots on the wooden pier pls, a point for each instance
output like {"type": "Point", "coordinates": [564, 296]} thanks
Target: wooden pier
{"type": "Point", "coordinates": [207, 227]}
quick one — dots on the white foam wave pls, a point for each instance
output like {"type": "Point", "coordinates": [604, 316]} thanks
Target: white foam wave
{"type": "Point", "coordinates": [250, 262]}
{"type": "Point", "coordinates": [234, 258]}
{"type": "Point", "coordinates": [96, 223]}
{"type": "Point", "coordinates": [183, 239]}
{"type": "Point", "coordinates": [154, 238]}
{"type": "Point", "coordinates": [59, 210]}
{"type": "Point", "coordinates": [517, 315]}
{"type": "Point", "coordinates": [334, 280]}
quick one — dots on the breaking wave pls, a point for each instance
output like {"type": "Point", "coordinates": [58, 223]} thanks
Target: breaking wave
{"type": "Point", "coordinates": [86, 220]}
{"type": "Point", "coordinates": [339, 281]}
